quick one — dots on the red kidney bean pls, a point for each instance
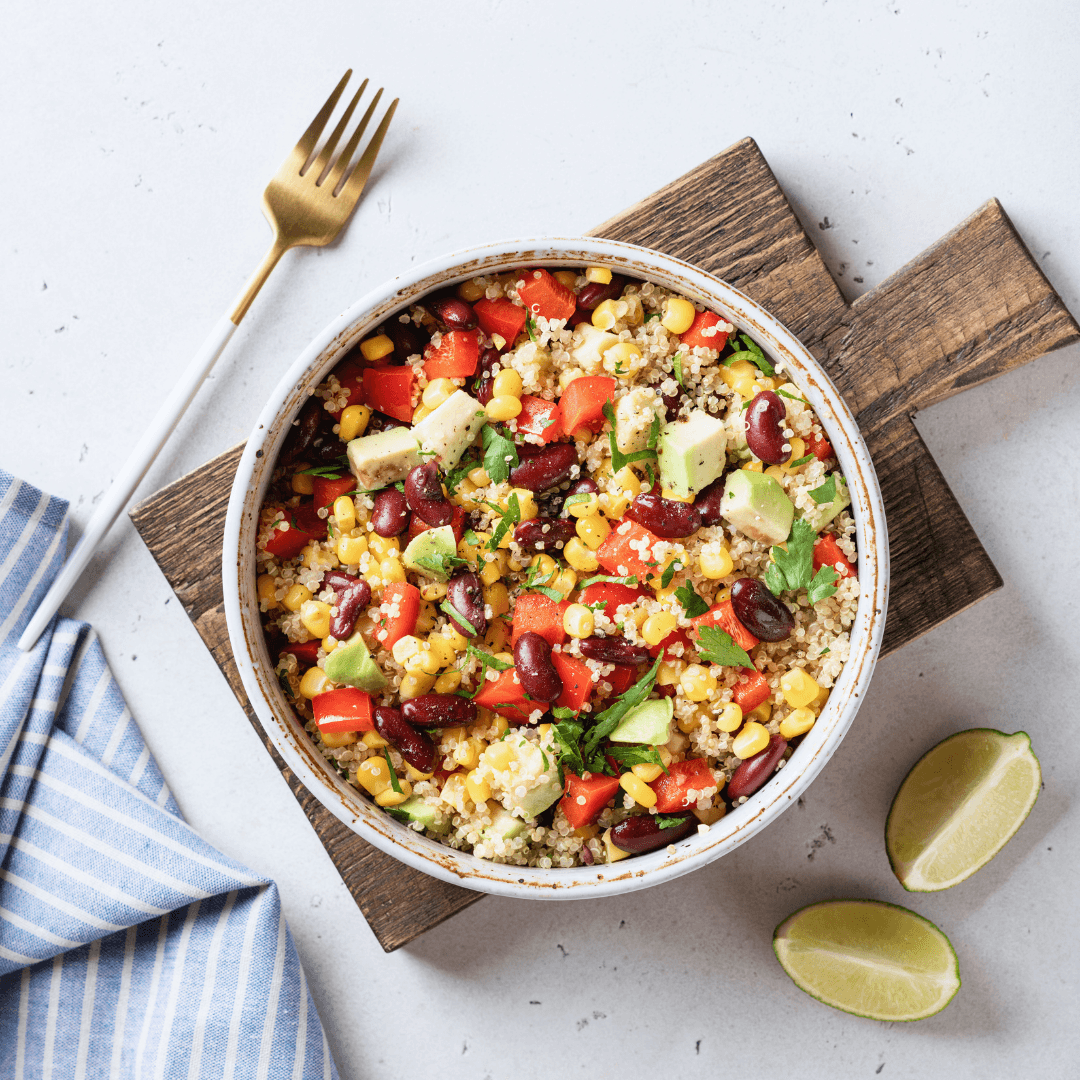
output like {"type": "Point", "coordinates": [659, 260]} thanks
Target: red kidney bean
{"type": "Point", "coordinates": [438, 710]}
{"type": "Point", "coordinates": [304, 430]}
{"type": "Point", "coordinates": [642, 833]}
{"type": "Point", "coordinates": [594, 292]}
{"type": "Point", "coordinates": [546, 468]}
{"type": "Point", "coordinates": [709, 503]}
{"type": "Point", "coordinates": [415, 747]}
{"type": "Point", "coordinates": [543, 533]}
{"type": "Point", "coordinates": [766, 616]}
{"type": "Point", "coordinates": [353, 595]}
{"type": "Point", "coordinates": [484, 381]}
{"type": "Point", "coordinates": [391, 514]}
{"type": "Point", "coordinates": [672, 404]}
{"type": "Point", "coordinates": [452, 312]}
{"type": "Point", "coordinates": [408, 339]}
{"type": "Point", "coordinates": [579, 487]}
{"type": "Point", "coordinates": [614, 650]}
{"type": "Point", "coordinates": [465, 592]}
{"type": "Point", "coordinates": [664, 517]}
{"type": "Point", "coordinates": [765, 420]}
{"type": "Point", "coordinates": [532, 659]}
{"type": "Point", "coordinates": [754, 771]}
{"type": "Point", "coordinates": [425, 497]}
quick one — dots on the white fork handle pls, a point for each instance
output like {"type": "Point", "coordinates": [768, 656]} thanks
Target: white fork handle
{"type": "Point", "coordinates": [122, 488]}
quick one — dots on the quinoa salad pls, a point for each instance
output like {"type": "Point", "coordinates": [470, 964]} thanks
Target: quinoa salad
{"type": "Point", "coordinates": [556, 567]}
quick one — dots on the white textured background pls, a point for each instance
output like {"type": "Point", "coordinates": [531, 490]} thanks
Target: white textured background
{"type": "Point", "coordinates": [137, 141]}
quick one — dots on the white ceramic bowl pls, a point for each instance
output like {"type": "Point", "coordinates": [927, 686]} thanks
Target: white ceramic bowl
{"type": "Point", "coordinates": [344, 801]}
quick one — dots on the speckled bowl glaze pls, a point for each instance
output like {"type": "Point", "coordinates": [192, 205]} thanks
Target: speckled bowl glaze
{"type": "Point", "coordinates": [348, 804]}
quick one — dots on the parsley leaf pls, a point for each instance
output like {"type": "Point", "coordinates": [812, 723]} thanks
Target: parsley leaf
{"type": "Point", "coordinates": [715, 646]}
{"type": "Point", "coordinates": [611, 717]}
{"type": "Point", "coordinates": [510, 518]}
{"type": "Point", "coordinates": [440, 563]}
{"type": "Point", "coordinates": [637, 755]}
{"type": "Point", "coordinates": [677, 365]}
{"type": "Point", "coordinates": [827, 492]}
{"type": "Point", "coordinates": [654, 315]}
{"type": "Point", "coordinates": [669, 572]}
{"type": "Point", "coordinates": [568, 735]}
{"type": "Point", "coordinates": [792, 569]}
{"type": "Point", "coordinates": [325, 472]}
{"type": "Point", "coordinates": [500, 455]}
{"type": "Point", "coordinates": [801, 461]}
{"type": "Point", "coordinates": [534, 576]}
{"type": "Point", "coordinates": [619, 460]}
{"type": "Point", "coordinates": [393, 775]}
{"type": "Point", "coordinates": [630, 580]}
{"type": "Point", "coordinates": [671, 821]}
{"type": "Point", "coordinates": [455, 476]}
{"type": "Point", "coordinates": [580, 497]}
{"type": "Point", "coordinates": [793, 397]}
{"type": "Point", "coordinates": [470, 538]}
{"type": "Point", "coordinates": [561, 712]}
{"type": "Point", "coordinates": [456, 616]}
{"type": "Point", "coordinates": [530, 325]}
{"type": "Point", "coordinates": [692, 604]}
{"type": "Point", "coordinates": [751, 351]}
{"type": "Point", "coordinates": [486, 661]}
{"type": "Point", "coordinates": [821, 585]}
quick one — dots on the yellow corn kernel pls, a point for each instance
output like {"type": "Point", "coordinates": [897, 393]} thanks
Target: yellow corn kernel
{"type": "Point", "coordinates": [638, 790]}
{"type": "Point", "coordinates": [477, 788]}
{"type": "Point", "coordinates": [614, 506]}
{"type": "Point", "coordinates": [584, 505]}
{"type": "Point", "coordinates": [479, 476]}
{"type": "Point", "coordinates": [390, 797]}
{"type": "Point", "coordinates": [628, 482]}
{"type": "Point", "coordinates": [526, 503]}
{"type": "Point", "coordinates": [750, 741]}
{"type": "Point", "coordinates": [565, 277]}
{"type": "Point", "coordinates": [776, 472]}
{"type": "Point", "coordinates": [752, 466]}
{"type": "Point", "coordinates": [665, 595]}
{"type": "Point", "coordinates": [710, 815]}
{"type": "Point", "coordinates": [374, 741]}
{"type": "Point", "coordinates": [499, 755]}
{"type": "Point", "coordinates": [614, 854]}
{"type": "Point", "coordinates": [797, 722]}
{"type": "Point", "coordinates": [819, 702]}
{"type": "Point", "coordinates": [715, 565]}
{"type": "Point", "coordinates": [564, 582]}
{"type": "Point", "coordinates": [799, 688]}
{"type": "Point", "coordinates": [448, 682]}
{"type": "Point", "coordinates": [507, 384]}
{"type": "Point", "coordinates": [547, 568]}
{"type": "Point", "coordinates": [415, 775]}
{"type": "Point", "coordinates": [647, 772]}
{"type": "Point", "coordinates": [762, 714]}
{"type": "Point", "coordinates": [436, 392]}
{"type": "Point", "coordinates": [678, 315]}
{"type": "Point", "coordinates": [467, 752]}
{"type": "Point", "coordinates": [351, 548]}
{"type": "Point", "coordinates": [428, 661]}
{"type": "Point", "coordinates": [593, 530]}
{"type": "Point", "coordinates": [266, 587]}
{"type": "Point", "coordinates": [730, 717]}
{"type": "Point", "coordinates": [498, 597]}
{"type": "Point", "coordinates": [314, 682]}
{"type": "Point", "coordinates": [657, 627]}
{"type": "Point", "coordinates": [599, 274]}
{"type": "Point", "coordinates": [497, 636]}
{"type": "Point", "coordinates": [441, 649]}
{"type": "Point", "coordinates": [503, 408]}
{"type": "Point", "coordinates": [458, 641]}
{"type": "Point", "coordinates": [798, 450]}
{"type": "Point", "coordinates": [454, 792]}
{"type": "Point", "coordinates": [722, 596]}
{"type": "Point", "coordinates": [587, 832]}
{"type": "Point", "coordinates": [686, 724]}
{"type": "Point", "coordinates": [621, 358]}
{"type": "Point", "coordinates": [473, 552]}
{"type": "Point", "coordinates": [345, 513]}
{"type": "Point", "coordinates": [420, 412]}
{"type": "Point", "coordinates": [302, 483]}
{"type": "Point", "coordinates": [579, 556]}
{"type": "Point", "coordinates": [415, 683]}
{"type": "Point", "coordinates": [450, 737]}
{"type": "Point", "coordinates": [337, 739]}
{"type": "Point", "coordinates": [696, 682]}
{"type": "Point", "coordinates": [406, 650]}
{"type": "Point", "coordinates": [329, 644]}
{"type": "Point", "coordinates": [667, 493]}
{"type": "Point", "coordinates": [637, 615]}
{"type": "Point", "coordinates": [316, 557]}
{"type": "Point", "coordinates": [391, 570]}
{"type": "Point", "coordinates": [383, 547]}
{"type": "Point", "coordinates": [373, 775]}
{"type": "Point", "coordinates": [505, 657]}
{"type": "Point", "coordinates": [353, 422]}
{"type": "Point", "coordinates": [578, 621]}
{"type": "Point", "coordinates": [315, 616]}
{"type": "Point", "coordinates": [490, 572]}
{"type": "Point", "coordinates": [566, 377]}
{"type": "Point", "coordinates": [747, 389]}
{"type": "Point", "coordinates": [425, 620]}
{"type": "Point", "coordinates": [605, 315]}
{"type": "Point", "coordinates": [740, 371]}
{"type": "Point", "coordinates": [665, 756]}
{"type": "Point", "coordinates": [375, 348]}
{"type": "Point", "coordinates": [669, 672]}
{"type": "Point", "coordinates": [433, 590]}
{"type": "Point", "coordinates": [470, 291]}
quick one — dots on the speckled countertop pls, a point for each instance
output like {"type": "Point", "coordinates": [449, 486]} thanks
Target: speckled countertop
{"type": "Point", "coordinates": [887, 124]}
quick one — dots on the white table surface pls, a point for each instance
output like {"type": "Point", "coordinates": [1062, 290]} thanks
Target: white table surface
{"type": "Point", "coordinates": [137, 141]}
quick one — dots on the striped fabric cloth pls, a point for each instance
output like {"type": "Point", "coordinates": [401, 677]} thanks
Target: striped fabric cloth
{"type": "Point", "coordinates": [129, 947]}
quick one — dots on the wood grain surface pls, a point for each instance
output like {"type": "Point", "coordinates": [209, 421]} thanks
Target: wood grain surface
{"type": "Point", "coordinates": [973, 306]}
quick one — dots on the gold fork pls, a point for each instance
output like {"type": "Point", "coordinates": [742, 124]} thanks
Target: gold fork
{"type": "Point", "coordinates": [306, 203]}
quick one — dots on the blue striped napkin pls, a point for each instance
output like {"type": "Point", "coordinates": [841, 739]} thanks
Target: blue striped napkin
{"type": "Point", "coordinates": [129, 947]}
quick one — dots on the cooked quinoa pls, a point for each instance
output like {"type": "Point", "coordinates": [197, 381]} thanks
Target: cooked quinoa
{"type": "Point", "coordinates": [518, 779]}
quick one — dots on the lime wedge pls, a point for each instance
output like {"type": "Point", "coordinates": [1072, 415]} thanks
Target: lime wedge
{"type": "Point", "coordinates": [869, 958]}
{"type": "Point", "coordinates": [959, 806]}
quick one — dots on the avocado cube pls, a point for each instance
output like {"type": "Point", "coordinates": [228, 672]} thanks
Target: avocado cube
{"type": "Point", "coordinates": [823, 513]}
{"type": "Point", "coordinates": [426, 553]}
{"type": "Point", "coordinates": [648, 723]}
{"type": "Point", "coordinates": [416, 809]}
{"type": "Point", "coordinates": [756, 505]}
{"type": "Point", "coordinates": [352, 664]}
{"type": "Point", "coordinates": [383, 458]}
{"type": "Point", "coordinates": [504, 826]}
{"type": "Point", "coordinates": [691, 453]}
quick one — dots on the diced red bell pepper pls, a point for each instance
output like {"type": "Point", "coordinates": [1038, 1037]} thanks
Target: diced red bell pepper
{"type": "Point", "coordinates": [750, 694]}
{"type": "Point", "coordinates": [577, 681]}
{"type": "Point", "coordinates": [326, 491]}
{"type": "Point", "coordinates": [455, 357]}
{"type": "Point", "coordinates": [827, 553]}
{"type": "Point", "coordinates": [539, 417]}
{"type": "Point", "coordinates": [723, 616]}
{"type": "Point", "coordinates": [701, 333]}
{"type": "Point", "coordinates": [820, 447]}
{"type": "Point", "coordinates": [306, 652]}
{"type": "Point", "coordinates": [389, 390]}
{"type": "Point", "coordinates": [582, 402]}
{"type": "Point", "coordinates": [398, 610]}
{"type": "Point", "coordinates": [417, 525]}
{"type": "Point", "coordinates": [502, 317]}
{"type": "Point", "coordinates": [540, 615]}
{"type": "Point", "coordinates": [622, 678]}
{"type": "Point", "coordinates": [682, 777]}
{"type": "Point", "coordinates": [611, 594]}
{"type": "Point", "coordinates": [347, 709]}
{"type": "Point", "coordinates": [585, 799]}
{"type": "Point", "coordinates": [676, 636]}
{"type": "Point", "coordinates": [350, 374]}
{"type": "Point", "coordinates": [543, 296]}
{"type": "Point", "coordinates": [302, 526]}
{"type": "Point", "coordinates": [506, 696]}
{"type": "Point", "coordinates": [617, 556]}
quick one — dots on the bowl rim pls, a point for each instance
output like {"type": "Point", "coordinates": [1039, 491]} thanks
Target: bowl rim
{"type": "Point", "coordinates": [352, 808]}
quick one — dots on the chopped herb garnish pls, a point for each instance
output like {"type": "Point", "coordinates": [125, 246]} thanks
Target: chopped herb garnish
{"type": "Point", "coordinates": [629, 580]}
{"type": "Point", "coordinates": [612, 716]}
{"type": "Point", "coordinates": [393, 775]}
{"type": "Point", "coordinates": [580, 497]}
{"type": "Point", "coordinates": [530, 325]}
{"type": "Point", "coordinates": [827, 492]}
{"type": "Point", "coordinates": [746, 405]}
{"type": "Point", "coordinates": [283, 682]}
{"type": "Point", "coordinates": [751, 351]}
{"type": "Point", "coordinates": [455, 476]}
{"type": "Point", "coordinates": [568, 735]}
{"type": "Point", "coordinates": [692, 604]}
{"type": "Point", "coordinates": [534, 576]}
{"type": "Point", "coordinates": [486, 661]}
{"type": "Point", "coordinates": [793, 397]}
{"type": "Point", "coordinates": [457, 617]}
{"type": "Point", "coordinates": [561, 712]}
{"type": "Point", "coordinates": [509, 519]}
{"type": "Point", "coordinates": [440, 563]}
{"type": "Point", "coordinates": [654, 432]}
{"type": "Point", "coordinates": [821, 585]}
{"type": "Point", "coordinates": [677, 365]}
{"type": "Point", "coordinates": [671, 821]}
{"type": "Point", "coordinates": [801, 461]}
{"type": "Point", "coordinates": [325, 472]}
{"type": "Point", "coordinates": [669, 572]}
{"type": "Point", "coordinates": [619, 460]}
{"type": "Point", "coordinates": [654, 315]}
{"type": "Point", "coordinates": [824, 652]}
{"type": "Point", "coordinates": [793, 569]}
{"type": "Point", "coordinates": [500, 455]}
{"type": "Point", "coordinates": [716, 646]}
{"type": "Point", "coordinates": [470, 538]}
{"type": "Point", "coordinates": [637, 755]}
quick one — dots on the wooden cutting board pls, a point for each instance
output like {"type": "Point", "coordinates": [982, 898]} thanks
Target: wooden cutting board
{"type": "Point", "coordinates": [973, 306]}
